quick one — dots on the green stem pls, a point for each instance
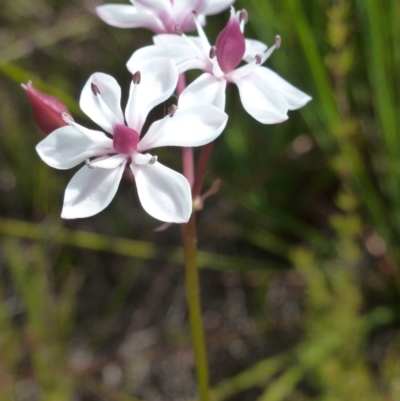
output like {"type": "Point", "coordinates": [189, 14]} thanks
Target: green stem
{"type": "Point", "coordinates": [194, 305]}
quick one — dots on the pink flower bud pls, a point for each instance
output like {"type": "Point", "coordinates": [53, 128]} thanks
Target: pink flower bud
{"type": "Point", "coordinates": [47, 109]}
{"type": "Point", "coordinates": [230, 45]}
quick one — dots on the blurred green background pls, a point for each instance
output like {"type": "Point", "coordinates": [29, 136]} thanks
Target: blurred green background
{"type": "Point", "coordinates": [299, 249]}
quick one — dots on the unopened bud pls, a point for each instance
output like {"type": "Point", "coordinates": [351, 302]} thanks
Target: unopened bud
{"type": "Point", "coordinates": [95, 89]}
{"type": "Point", "coordinates": [278, 41]}
{"type": "Point", "coordinates": [47, 109]}
{"type": "Point", "coordinates": [258, 58]}
{"type": "Point", "coordinates": [213, 52]}
{"type": "Point", "coordinates": [230, 45]}
{"type": "Point", "coordinates": [137, 77]}
{"type": "Point", "coordinates": [178, 30]}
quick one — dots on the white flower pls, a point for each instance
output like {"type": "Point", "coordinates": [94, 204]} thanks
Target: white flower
{"type": "Point", "coordinates": [160, 16]}
{"type": "Point", "coordinates": [264, 94]}
{"type": "Point", "coordinates": [163, 193]}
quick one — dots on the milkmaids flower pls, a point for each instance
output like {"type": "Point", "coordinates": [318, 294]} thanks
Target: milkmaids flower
{"type": "Point", "coordinates": [264, 94]}
{"type": "Point", "coordinates": [163, 193]}
{"type": "Point", "coordinates": [160, 16]}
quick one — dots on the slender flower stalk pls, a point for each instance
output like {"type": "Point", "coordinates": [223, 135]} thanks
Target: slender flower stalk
{"type": "Point", "coordinates": [193, 297]}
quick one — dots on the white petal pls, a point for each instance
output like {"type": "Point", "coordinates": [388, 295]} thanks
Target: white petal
{"type": "Point", "coordinates": [96, 137]}
{"type": "Point", "coordinates": [195, 126]}
{"type": "Point", "coordinates": [163, 193]}
{"type": "Point", "coordinates": [158, 82]}
{"type": "Point", "coordinates": [254, 47]}
{"type": "Point", "coordinates": [109, 162]}
{"type": "Point", "coordinates": [206, 89]}
{"type": "Point", "coordinates": [140, 158]}
{"type": "Point", "coordinates": [182, 54]}
{"type": "Point", "coordinates": [66, 147]}
{"type": "Point", "coordinates": [124, 16]}
{"type": "Point", "coordinates": [294, 97]}
{"type": "Point", "coordinates": [90, 191]}
{"type": "Point", "coordinates": [155, 5]}
{"type": "Point", "coordinates": [261, 100]}
{"type": "Point", "coordinates": [216, 6]}
{"type": "Point", "coordinates": [104, 108]}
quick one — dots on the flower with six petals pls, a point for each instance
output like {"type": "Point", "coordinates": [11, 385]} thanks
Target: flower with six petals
{"type": "Point", "coordinates": [160, 16]}
{"type": "Point", "coordinates": [264, 94]}
{"type": "Point", "coordinates": [163, 193]}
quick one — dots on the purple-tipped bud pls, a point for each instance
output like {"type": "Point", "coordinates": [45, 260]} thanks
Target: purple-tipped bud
{"type": "Point", "coordinates": [47, 109]}
{"type": "Point", "coordinates": [125, 139]}
{"type": "Point", "coordinates": [230, 45]}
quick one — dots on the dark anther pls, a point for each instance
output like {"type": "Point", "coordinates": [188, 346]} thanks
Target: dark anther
{"type": "Point", "coordinates": [258, 58]}
{"type": "Point", "coordinates": [136, 78]}
{"type": "Point", "coordinates": [278, 41]}
{"type": "Point", "coordinates": [153, 159]}
{"type": "Point", "coordinates": [194, 12]}
{"type": "Point", "coordinates": [213, 52]}
{"type": "Point", "coordinates": [95, 89]}
{"type": "Point", "coordinates": [178, 30]}
{"type": "Point", "coordinates": [244, 16]}
{"type": "Point", "coordinates": [172, 110]}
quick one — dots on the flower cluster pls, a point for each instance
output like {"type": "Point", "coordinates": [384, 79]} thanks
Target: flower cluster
{"type": "Point", "coordinates": [196, 120]}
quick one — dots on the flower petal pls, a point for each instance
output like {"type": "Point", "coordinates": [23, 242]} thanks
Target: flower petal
{"type": "Point", "coordinates": [158, 82]}
{"type": "Point", "coordinates": [216, 6]}
{"type": "Point", "coordinates": [155, 5]}
{"type": "Point", "coordinates": [195, 126]}
{"type": "Point", "coordinates": [109, 162]}
{"type": "Point", "coordinates": [66, 147]}
{"type": "Point", "coordinates": [254, 47]}
{"type": "Point", "coordinates": [205, 89]}
{"type": "Point", "coordinates": [260, 99]}
{"type": "Point", "coordinates": [163, 193]}
{"type": "Point", "coordinates": [184, 54]}
{"type": "Point", "coordinates": [102, 106]}
{"type": "Point", "coordinates": [90, 191]}
{"type": "Point", "coordinates": [294, 97]}
{"type": "Point", "coordinates": [124, 16]}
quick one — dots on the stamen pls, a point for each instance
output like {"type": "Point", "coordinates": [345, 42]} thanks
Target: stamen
{"type": "Point", "coordinates": [258, 58]}
{"type": "Point", "coordinates": [153, 160]}
{"type": "Point", "coordinates": [278, 41]}
{"type": "Point", "coordinates": [137, 77]}
{"type": "Point", "coordinates": [244, 16]}
{"type": "Point", "coordinates": [67, 118]}
{"type": "Point", "coordinates": [178, 30]}
{"type": "Point", "coordinates": [213, 52]}
{"type": "Point", "coordinates": [172, 110]}
{"type": "Point", "coordinates": [194, 13]}
{"type": "Point", "coordinates": [95, 89]}
{"type": "Point", "coordinates": [88, 164]}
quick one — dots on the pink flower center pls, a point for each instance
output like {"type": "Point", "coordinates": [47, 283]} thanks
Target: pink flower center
{"type": "Point", "coordinates": [230, 46]}
{"type": "Point", "coordinates": [125, 139]}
